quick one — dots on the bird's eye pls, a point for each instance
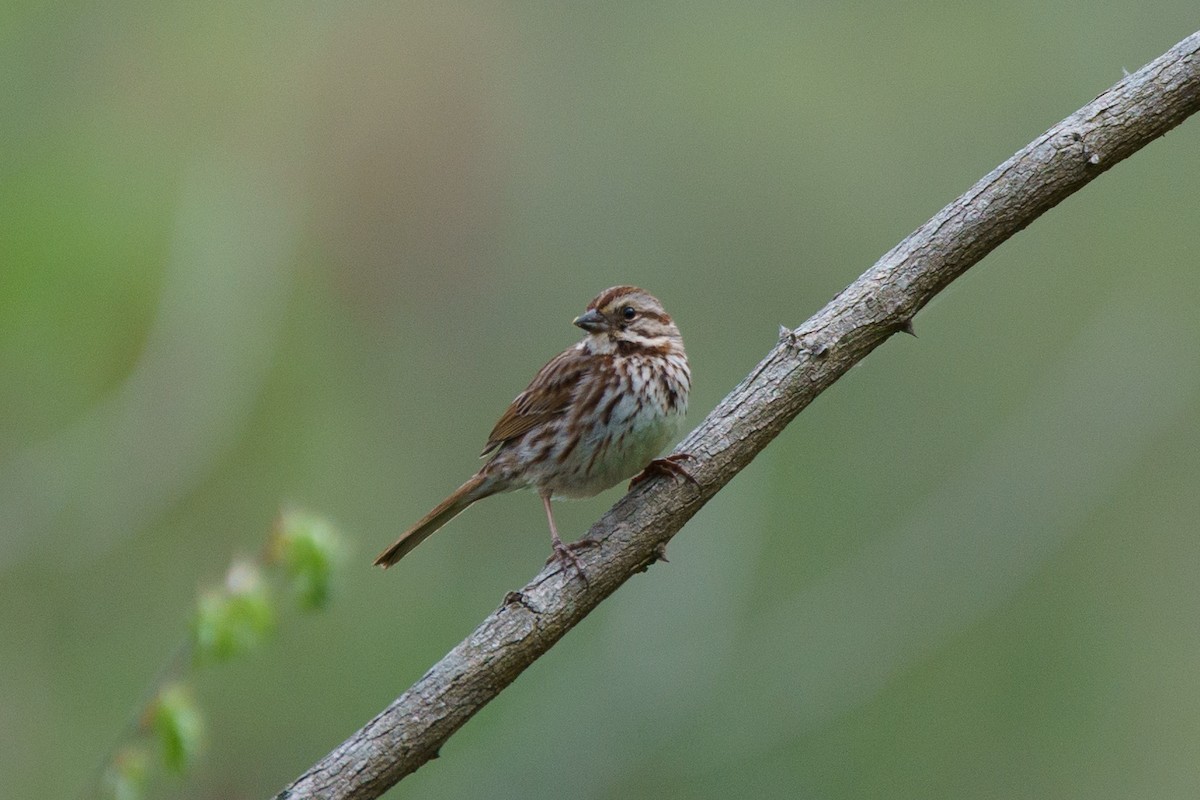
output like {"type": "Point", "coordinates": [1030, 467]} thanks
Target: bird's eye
{"type": "Point", "coordinates": [628, 312]}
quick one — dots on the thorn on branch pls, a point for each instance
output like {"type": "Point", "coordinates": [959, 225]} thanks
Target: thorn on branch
{"type": "Point", "coordinates": [907, 327]}
{"type": "Point", "coordinates": [660, 554]}
{"type": "Point", "coordinates": [1089, 155]}
{"type": "Point", "coordinates": [815, 347]}
{"type": "Point", "coordinates": [519, 598]}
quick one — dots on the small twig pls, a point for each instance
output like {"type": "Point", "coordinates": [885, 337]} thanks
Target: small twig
{"type": "Point", "coordinates": [174, 666]}
{"type": "Point", "coordinates": [805, 362]}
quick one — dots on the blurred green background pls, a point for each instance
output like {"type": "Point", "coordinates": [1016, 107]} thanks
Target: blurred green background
{"type": "Point", "coordinates": [307, 253]}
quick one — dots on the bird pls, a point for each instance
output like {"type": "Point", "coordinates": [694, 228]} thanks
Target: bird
{"type": "Point", "coordinates": [596, 414]}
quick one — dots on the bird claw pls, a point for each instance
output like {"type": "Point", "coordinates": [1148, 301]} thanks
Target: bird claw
{"type": "Point", "coordinates": [667, 467]}
{"type": "Point", "coordinates": [564, 552]}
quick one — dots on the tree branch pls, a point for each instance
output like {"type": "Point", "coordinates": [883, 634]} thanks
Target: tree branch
{"type": "Point", "coordinates": [804, 363]}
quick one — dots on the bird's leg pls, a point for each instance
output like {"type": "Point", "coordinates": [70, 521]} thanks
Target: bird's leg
{"type": "Point", "coordinates": [667, 467]}
{"type": "Point", "coordinates": [563, 551]}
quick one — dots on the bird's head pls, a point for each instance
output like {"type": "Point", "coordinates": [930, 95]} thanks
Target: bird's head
{"type": "Point", "coordinates": [626, 318]}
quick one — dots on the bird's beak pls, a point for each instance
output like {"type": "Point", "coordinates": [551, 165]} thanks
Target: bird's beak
{"type": "Point", "coordinates": [592, 321]}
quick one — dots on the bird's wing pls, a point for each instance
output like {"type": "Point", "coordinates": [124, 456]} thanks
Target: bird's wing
{"type": "Point", "coordinates": [547, 396]}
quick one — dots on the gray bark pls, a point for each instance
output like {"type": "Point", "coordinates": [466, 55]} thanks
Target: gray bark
{"type": "Point", "coordinates": [806, 361]}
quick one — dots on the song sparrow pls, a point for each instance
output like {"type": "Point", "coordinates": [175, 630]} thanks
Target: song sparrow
{"type": "Point", "coordinates": [595, 415]}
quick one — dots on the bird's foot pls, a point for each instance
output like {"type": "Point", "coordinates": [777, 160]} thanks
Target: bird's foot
{"type": "Point", "coordinates": [668, 467]}
{"type": "Point", "coordinates": [565, 553]}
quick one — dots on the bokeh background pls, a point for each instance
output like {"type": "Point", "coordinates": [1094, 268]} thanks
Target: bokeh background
{"type": "Point", "coordinates": [254, 254]}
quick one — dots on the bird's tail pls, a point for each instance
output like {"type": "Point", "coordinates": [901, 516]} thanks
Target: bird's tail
{"type": "Point", "coordinates": [476, 488]}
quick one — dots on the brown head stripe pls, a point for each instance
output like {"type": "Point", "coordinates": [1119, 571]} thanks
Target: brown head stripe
{"type": "Point", "coordinates": [612, 294]}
